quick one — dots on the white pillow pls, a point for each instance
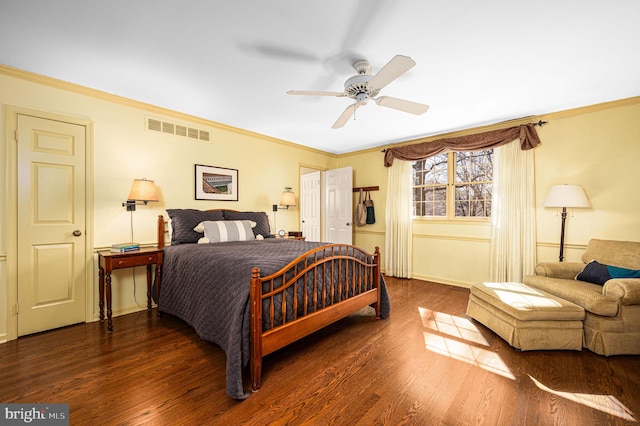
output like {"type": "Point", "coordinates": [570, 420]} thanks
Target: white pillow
{"type": "Point", "coordinates": [200, 227]}
{"type": "Point", "coordinates": [218, 231]}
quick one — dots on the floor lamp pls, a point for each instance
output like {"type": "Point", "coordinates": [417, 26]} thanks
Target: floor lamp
{"type": "Point", "coordinates": [566, 196]}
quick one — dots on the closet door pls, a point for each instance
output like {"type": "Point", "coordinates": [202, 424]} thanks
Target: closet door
{"type": "Point", "coordinates": [51, 224]}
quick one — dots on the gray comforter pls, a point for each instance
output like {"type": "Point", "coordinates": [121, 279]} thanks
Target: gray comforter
{"type": "Point", "coordinates": [207, 285]}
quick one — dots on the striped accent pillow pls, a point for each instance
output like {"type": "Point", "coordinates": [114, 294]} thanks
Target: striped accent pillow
{"type": "Point", "coordinates": [218, 231]}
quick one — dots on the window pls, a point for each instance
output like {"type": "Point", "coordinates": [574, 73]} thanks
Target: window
{"type": "Point", "coordinates": [458, 182]}
{"type": "Point", "coordinates": [430, 178]}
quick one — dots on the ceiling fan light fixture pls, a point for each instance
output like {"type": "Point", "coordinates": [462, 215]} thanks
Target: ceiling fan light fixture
{"type": "Point", "coordinates": [362, 98]}
{"type": "Point", "coordinates": [364, 86]}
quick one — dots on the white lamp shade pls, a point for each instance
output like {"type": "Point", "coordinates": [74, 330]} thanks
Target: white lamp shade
{"type": "Point", "coordinates": [288, 198]}
{"type": "Point", "coordinates": [143, 190]}
{"type": "Point", "coordinates": [566, 196]}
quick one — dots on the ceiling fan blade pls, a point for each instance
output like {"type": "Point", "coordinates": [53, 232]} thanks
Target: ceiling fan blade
{"type": "Point", "coordinates": [278, 51]}
{"type": "Point", "coordinates": [345, 116]}
{"type": "Point", "coordinates": [397, 66]}
{"type": "Point", "coordinates": [314, 93]}
{"type": "Point", "coordinates": [402, 105]}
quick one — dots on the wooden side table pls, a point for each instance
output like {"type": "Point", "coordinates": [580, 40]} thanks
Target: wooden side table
{"type": "Point", "coordinates": [292, 235]}
{"type": "Point", "coordinates": [108, 261]}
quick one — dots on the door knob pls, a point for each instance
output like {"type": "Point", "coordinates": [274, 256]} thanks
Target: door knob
{"type": "Point", "coordinates": [77, 233]}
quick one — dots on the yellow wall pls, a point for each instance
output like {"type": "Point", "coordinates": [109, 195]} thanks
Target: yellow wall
{"type": "Point", "coordinates": [597, 147]}
{"type": "Point", "coordinates": [124, 150]}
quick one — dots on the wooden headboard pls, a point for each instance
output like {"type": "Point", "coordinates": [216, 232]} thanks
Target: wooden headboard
{"type": "Point", "coordinates": [163, 229]}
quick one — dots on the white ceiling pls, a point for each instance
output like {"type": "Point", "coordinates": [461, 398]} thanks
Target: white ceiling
{"type": "Point", "coordinates": [232, 61]}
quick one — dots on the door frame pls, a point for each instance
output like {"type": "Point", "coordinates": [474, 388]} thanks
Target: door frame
{"type": "Point", "coordinates": [12, 211]}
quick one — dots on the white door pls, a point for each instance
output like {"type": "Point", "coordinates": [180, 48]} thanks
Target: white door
{"type": "Point", "coordinates": [51, 224]}
{"type": "Point", "coordinates": [310, 206]}
{"type": "Point", "coordinates": [338, 205]}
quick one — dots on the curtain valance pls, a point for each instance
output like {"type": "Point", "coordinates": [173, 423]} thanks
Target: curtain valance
{"type": "Point", "coordinates": [526, 133]}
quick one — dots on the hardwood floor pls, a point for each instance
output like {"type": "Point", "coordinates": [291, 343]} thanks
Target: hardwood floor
{"type": "Point", "coordinates": [428, 364]}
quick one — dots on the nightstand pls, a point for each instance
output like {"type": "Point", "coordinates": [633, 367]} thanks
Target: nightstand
{"type": "Point", "coordinates": [108, 261]}
{"type": "Point", "coordinates": [296, 235]}
{"type": "Point", "coordinates": [292, 237]}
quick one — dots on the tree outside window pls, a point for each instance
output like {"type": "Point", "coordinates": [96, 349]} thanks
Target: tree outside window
{"type": "Point", "coordinates": [458, 182]}
{"type": "Point", "coordinates": [430, 178]}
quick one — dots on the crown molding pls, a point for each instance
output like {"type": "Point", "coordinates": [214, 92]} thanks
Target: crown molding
{"type": "Point", "coordinates": [143, 106]}
{"type": "Point", "coordinates": [98, 94]}
{"type": "Point", "coordinates": [510, 123]}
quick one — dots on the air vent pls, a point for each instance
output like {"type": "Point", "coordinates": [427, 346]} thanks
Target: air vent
{"type": "Point", "coordinates": [181, 130]}
{"type": "Point", "coordinates": [154, 125]}
{"type": "Point", "coordinates": [168, 128]}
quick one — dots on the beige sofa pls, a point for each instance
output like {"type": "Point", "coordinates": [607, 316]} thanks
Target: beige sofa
{"type": "Point", "coordinates": [612, 310]}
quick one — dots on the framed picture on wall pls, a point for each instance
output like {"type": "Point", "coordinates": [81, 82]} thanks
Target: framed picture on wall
{"type": "Point", "coordinates": [216, 183]}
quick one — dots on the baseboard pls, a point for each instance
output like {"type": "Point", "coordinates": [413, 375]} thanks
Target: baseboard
{"type": "Point", "coordinates": [441, 280]}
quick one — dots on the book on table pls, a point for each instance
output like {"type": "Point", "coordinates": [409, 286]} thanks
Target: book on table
{"type": "Point", "coordinates": [124, 247]}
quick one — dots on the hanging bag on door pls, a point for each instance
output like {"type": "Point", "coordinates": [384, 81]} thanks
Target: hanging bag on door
{"type": "Point", "coordinates": [360, 216]}
{"type": "Point", "coordinates": [371, 214]}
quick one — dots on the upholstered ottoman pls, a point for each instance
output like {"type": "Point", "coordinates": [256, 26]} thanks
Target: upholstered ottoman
{"type": "Point", "coordinates": [527, 318]}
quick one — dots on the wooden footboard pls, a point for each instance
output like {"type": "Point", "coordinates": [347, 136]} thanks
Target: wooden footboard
{"type": "Point", "coordinates": [334, 281]}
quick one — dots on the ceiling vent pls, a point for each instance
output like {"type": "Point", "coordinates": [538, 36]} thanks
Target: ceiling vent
{"type": "Point", "coordinates": [167, 127]}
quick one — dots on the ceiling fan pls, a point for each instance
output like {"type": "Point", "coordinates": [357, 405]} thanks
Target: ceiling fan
{"type": "Point", "coordinates": [363, 86]}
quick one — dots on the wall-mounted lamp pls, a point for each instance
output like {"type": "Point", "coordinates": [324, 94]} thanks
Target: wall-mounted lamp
{"type": "Point", "coordinates": [566, 196]}
{"type": "Point", "coordinates": [288, 199]}
{"type": "Point", "coordinates": [142, 191]}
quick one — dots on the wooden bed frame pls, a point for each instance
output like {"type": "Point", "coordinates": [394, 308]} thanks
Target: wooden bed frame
{"type": "Point", "coordinates": [342, 260]}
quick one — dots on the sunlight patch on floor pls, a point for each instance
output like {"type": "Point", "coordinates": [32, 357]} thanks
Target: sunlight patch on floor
{"type": "Point", "coordinates": [462, 328]}
{"type": "Point", "coordinates": [462, 346]}
{"type": "Point", "coordinates": [485, 359]}
{"type": "Point", "coordinates": [606, 403]}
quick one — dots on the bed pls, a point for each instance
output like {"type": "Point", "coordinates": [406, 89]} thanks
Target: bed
{"type": "Point", "coordinates": [256, 294]}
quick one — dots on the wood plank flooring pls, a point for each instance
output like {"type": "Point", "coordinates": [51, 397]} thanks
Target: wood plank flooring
{"type": "Point", "coordinates": [428, 364]}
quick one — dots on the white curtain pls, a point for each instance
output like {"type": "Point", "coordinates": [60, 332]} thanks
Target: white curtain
{"type": "Point", "coordinates": [513, 235]}
{"type": "Point", "coordinates": [398, 231]}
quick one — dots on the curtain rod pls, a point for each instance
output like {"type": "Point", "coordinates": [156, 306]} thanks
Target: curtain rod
{"type": "Point", "coordinates": [539, 123]}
